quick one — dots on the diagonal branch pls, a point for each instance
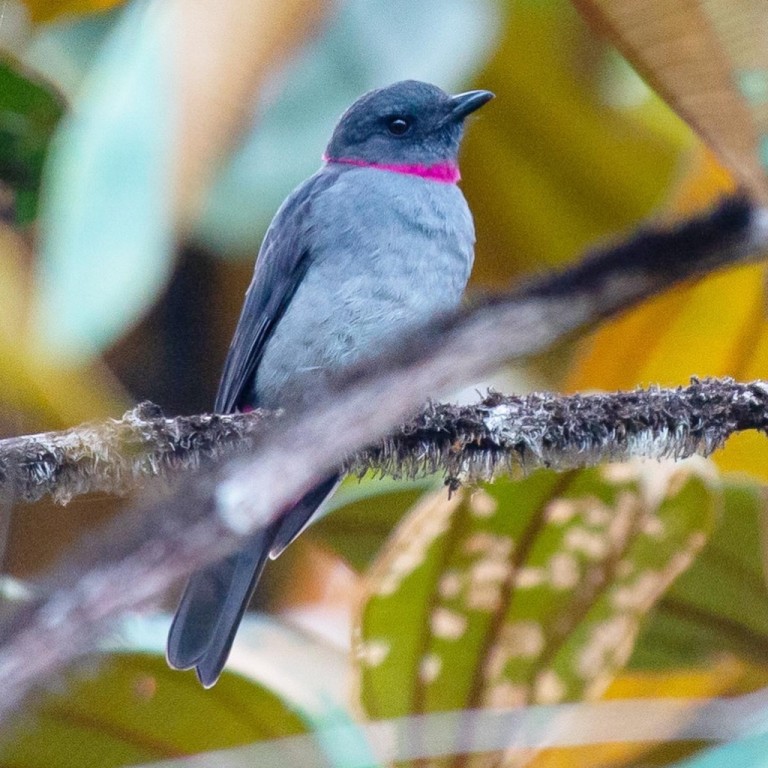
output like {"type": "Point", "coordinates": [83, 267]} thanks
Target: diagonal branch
{"type": "Point", "coordinates": [144, 552]}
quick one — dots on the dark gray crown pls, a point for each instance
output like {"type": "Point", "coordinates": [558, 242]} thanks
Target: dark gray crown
{"type": "Point", "coordinates": [408, 122]}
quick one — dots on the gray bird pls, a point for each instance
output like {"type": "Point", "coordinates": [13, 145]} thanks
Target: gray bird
{"type": "Point", "coordinates": [374, 245]}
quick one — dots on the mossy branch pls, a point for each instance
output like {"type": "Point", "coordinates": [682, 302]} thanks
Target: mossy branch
{"type": "Point", "coordinates": [464, 443]}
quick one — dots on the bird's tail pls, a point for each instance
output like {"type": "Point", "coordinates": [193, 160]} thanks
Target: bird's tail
{"type": "Point", "coordinates": [215, 598]}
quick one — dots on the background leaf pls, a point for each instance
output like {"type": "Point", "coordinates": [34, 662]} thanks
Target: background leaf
{"type": "Point", "coordinates": [44, 10]}
{"type": "Point", "coordinates": [528, 592]}
{"type": "Point", "coordinates": [574, 148]}
{"type": "Point", "coordinates": [709, 61]}
{"type": "Point", "coordinates": [133, 708]}
{"type": "Point", "coordinates": [362, 514]}
{"type": "Point", "coordinates": [129, 707]}
{"type": "Point", "coordinates": [719, 606]}
{"type": "Point", "coordinates": [29, 112]}
{"type": "Point", "coordinates": [107, 247]}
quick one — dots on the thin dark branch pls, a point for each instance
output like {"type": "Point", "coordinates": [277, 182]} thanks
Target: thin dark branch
{"type": "Point", "coordinates": [145, 551]}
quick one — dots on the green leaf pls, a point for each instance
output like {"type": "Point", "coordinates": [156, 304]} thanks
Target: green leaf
{"type": "Point", "coordinates": [524, 592]}
{"type": "Point", "coordinates": [363, 513]}
{"type": "Point", "coordinates": [130, 707]}
{"type": "Point", "coordinates": [30, 110]}
{"type": "Point", "coordinates": [720, 604]}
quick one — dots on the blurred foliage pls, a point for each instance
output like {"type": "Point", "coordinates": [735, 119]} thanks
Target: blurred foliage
{"type": "Point", "coordinates": [43, 396]}
{"type": "Point", "coordinates": [715, 328]}
{"type": "Point", "coordinates": [45, 10]}
{"type": "Point", "coordinates": [107, 250]}
{"type": "Point", "coordinates": [29, 112]}
{"type": "Point", "coordinates": [135, 709]}
{"type": "Point", "coordinates": [725, 678]}
{"type": "Point", "coordinates": [575, 148]}
{"type": "Point", "coordinates": [709, 62]}
{"type": "Point", "coordinates": [362, 513]}
{"type": "Point", "coordinates": [129, 707]}
{"type": "Point", "coordinates": [607, 541]}
{"type": "Point", "coordinates": [720, 605]}
{"type": "Point", "coordinates": [718, 327]}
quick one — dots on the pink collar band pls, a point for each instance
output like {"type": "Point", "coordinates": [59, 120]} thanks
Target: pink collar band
{"type": "Point", "coordinates": [445, 173]}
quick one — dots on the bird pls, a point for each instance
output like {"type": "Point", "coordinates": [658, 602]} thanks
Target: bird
{"type": "Point", "coordinates": [376, 243]}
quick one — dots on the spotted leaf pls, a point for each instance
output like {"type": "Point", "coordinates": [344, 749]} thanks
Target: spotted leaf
{"type": "Point", "coordinates": [525, 592]}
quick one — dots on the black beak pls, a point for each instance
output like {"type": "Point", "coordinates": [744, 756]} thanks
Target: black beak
{"type": "Point", "coordinates": [464, 104]}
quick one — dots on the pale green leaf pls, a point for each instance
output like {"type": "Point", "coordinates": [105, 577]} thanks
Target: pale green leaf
{"type": "Point", "coordinates": [107, 242]}
{"type": "Point", "coordinates": [524, 592]}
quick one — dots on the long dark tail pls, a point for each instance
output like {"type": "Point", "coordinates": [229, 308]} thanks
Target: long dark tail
{"type": "Point", "coordinates": [215, 598]}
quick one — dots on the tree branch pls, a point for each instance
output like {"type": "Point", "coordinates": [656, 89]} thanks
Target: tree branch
{"type": "Point", "coordinates": [137, 557]}
{"type": "Point", "coordinates": [464, 443]}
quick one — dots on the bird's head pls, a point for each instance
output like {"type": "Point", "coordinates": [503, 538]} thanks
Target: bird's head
{"type": "Point", "coordinates": [408, 123]}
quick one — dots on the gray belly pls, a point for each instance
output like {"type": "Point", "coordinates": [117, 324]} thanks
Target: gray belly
{"type": "Point", "coordinates": [384, 263]}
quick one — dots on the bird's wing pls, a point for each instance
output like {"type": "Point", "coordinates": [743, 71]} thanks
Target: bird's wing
{"type": "Point", "coordinates": [216, 597]}
{"type": "Point", "coordinates": [283, 261]}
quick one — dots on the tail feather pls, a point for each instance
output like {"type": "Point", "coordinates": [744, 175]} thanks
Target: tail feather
{"type": "Point", "coordinates": [215, 598]}
{"type": "Point", "coordinates": [213, 604]}
{"type": "Point", "coordinates": [302, 515]}
{"type": "Point", "coordinates": [247, 571]}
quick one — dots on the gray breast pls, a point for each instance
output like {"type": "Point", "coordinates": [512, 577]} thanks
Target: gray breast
{"type": "Point", "coordinates": [389, 251]}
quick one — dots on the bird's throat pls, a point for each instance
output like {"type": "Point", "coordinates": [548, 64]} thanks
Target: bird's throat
{"type": "Point", "coordinates": [444, 173]}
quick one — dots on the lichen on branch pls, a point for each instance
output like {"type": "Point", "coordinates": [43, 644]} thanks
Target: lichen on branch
{"type": "Point", "coordinates": [468, 443]}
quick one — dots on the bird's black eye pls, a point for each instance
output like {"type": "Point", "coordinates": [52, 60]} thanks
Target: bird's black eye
{"type": "Point", "coordinates": [398, 125]}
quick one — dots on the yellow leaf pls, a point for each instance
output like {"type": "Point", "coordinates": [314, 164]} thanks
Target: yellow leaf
{"type": "Point", "coordinates": [729, 677]}
{"type": "Point", "coordinates": [709, 61]}
{"type": "Point", "coordinates": [714, 328]}
{"type": "Point", "coordinates": [559, 160]}
{"type": "Point", "coordinates": [708, 329]}
{"type": "Point", "coordinates": [56, 397]}
{"type": "Point", "coordinates": [45, 10]}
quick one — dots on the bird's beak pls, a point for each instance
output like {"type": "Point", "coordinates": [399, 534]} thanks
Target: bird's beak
{"type": "Point", "coordinates": [464, 104]}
